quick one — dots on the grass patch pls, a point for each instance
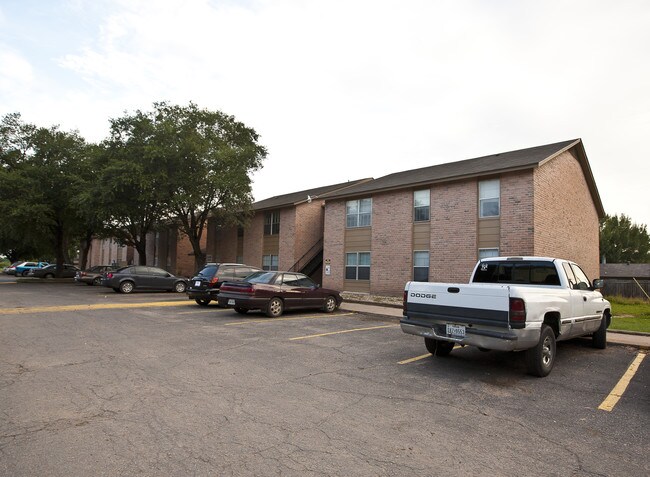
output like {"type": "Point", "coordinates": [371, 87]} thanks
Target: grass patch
{"type": "Point", "coordinates": [629, 314]}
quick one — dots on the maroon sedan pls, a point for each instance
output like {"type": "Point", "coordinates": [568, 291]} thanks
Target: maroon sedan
{"type": "Point", "coordinates": [274, 292]}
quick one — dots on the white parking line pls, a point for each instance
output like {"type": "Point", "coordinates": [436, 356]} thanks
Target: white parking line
{"type": "Point", "coordinates": [342, 331]}
{"type": "Point", "coordinates": [273, 320]}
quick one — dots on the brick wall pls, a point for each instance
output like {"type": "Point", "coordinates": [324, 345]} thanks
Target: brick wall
{"type": "Point", "coordinates": [517, 227]}
{"type": "Point", "coordinates": [333, 245]}
{"type": "Point", "coordinates": [566, 220]}
{"type": "Point", "coordinates": [225, 244]}
{"type": "Point", "coordinates": [454, 215]}
{"type": "Point", "coordinates": [391, 257]}
{"type": "Point", "coordinates": [309, 227]}
{"type": "Point", "coordinates": [287, 240]}
{"type": "Point", "coordinates": [253, 237]}
{"type": "Point", "coordinates": [185, 256]}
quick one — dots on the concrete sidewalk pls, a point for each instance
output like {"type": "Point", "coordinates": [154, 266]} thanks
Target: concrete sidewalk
{"type": "Point", "coordinates": [613, 337]}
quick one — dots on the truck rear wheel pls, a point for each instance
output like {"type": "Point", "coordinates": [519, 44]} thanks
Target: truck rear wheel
{"type": "Point", "coordinates": [541, 357]}
{"type": "Point", "coordinates": [438, 347]}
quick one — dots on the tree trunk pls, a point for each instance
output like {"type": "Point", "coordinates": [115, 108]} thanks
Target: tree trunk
{"type": "Point", "coordinates": [59, 249]}
{"type": "Point", "coordinates": [141, 247]}
{"type": "Point", "coordinates": [84, 248]}
{"type": "Point", "coordinates": [199, 255]}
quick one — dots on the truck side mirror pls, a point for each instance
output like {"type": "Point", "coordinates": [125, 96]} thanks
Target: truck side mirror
{"type": "Point", "coordinates": [598, 283]}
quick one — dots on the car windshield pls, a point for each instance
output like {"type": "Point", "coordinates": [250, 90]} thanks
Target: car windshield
{"type": "Point", "coordinates": [260, 277]}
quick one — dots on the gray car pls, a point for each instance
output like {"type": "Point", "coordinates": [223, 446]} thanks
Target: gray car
{"type": "Point", "coordinates": [142, 278]}
{"type": "Point", "coordinates": [67, 271]}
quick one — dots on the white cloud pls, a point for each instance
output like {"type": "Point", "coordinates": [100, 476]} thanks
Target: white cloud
{"type": "Point", "coordinates": [352, 89]}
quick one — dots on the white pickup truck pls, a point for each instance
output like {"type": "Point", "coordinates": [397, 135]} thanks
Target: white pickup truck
{"type": "Point", "coordinates": [511, 304]}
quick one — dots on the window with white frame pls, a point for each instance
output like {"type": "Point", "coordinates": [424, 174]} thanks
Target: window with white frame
{"type": "Point", "coordinates": [421, 266]}
{"type": "Point", "coordinates": [357, 266]}
{"type": "Point", "coordinates": [421, 205]}
{"type": "Point", "coordinates": [489, 195]}
{"type": "Point", "coordinates": [358, 213]}
{"type": "Point", "coordinates": [272, 223]}
{"type": "Point", "coordinates": [487, 253]}
{"type": "Point", "coordinates": [269, 262]}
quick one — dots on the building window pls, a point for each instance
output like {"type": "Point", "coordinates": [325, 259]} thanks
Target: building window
{"type": "Point", "coordinates": [272, 223]}
{"type": "Point", "coordinates": [357, 266]}
{"type": "Point", "coordinates": [358, 213]}
{"type": "Point", "coordinates": [487, 253]}
{"type": "Point", "coordinates": [269, 262]}
{"type": "Point", "coordinates": [489, 198]}
{"type": "Point", "coordinates": [421, 205]}
{"type": "Point", "coordinates": [421, 266]}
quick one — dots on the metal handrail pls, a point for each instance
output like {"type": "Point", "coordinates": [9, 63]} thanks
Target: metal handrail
{"type": "Point", "coordinates": [311, 253]}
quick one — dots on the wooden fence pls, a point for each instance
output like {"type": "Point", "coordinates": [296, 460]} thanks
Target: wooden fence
{"type": "Point", "coordinates": [626, 288]}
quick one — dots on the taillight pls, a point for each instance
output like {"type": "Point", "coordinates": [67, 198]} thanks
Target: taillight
{"type": "Point", "coordinates": [517, 313]}
{"type": "Point", "coordinates": [214, 280]}
{"type": "Point", "coordinates": [109, 275]}
{"type": "Point", "coordinates": [239, 289]}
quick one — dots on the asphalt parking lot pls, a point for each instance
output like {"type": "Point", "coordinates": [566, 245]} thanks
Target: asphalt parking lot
{"type": "Point", "coordinates": [98, 383]}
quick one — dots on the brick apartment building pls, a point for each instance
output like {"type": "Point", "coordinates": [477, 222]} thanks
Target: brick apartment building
{"type": "Point", "coordinates": [284, 233]}
{"type": "Point", "coordinates": [434, 223]}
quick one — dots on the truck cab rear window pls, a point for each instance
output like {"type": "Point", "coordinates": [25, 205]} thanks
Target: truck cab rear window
{"type": "Point", "coordinates": [527, 273]}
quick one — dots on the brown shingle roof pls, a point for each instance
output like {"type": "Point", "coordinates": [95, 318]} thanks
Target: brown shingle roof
{"type": "Point", "coordinates": [480, 166]}
{"type": "Point", "coordinates": [295, 198]}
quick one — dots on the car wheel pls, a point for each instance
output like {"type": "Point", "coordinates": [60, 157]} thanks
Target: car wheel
{"type": "Point", "coordinates": [97, 281]}
{"type": "Point", "coordinates": [126, 287]}
{"type": "Point", "coordinates": [241, 311]}
{"type": "Point", "coordinates": [25, 273]}
{"type": "Point", "coordinates": [444, 348]}
{"type": "Point", "coordinates": [202, 301]}
{"type": "Point", "coordinates": [330, 304]}
{"type": "Point", "coordinates": [274, 308]}
{"type": "Point", "coordinates": [180, 287]}
{"type": "Point", "coordinates": [541, 357]}
{"type": "Point", "coordinates": [599, 338]}
{"type": "Point", "coordinates": [48, 275]}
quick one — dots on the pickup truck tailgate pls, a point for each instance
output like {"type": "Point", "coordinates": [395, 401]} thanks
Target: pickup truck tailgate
{"type": "Point", "coordinates": [458, 303]}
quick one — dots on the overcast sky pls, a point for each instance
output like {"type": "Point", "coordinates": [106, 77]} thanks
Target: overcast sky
{"type": "Point", "coordinates": [345, 89]}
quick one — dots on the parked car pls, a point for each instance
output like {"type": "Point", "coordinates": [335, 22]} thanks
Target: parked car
{"type": "Point", "coordinates": [49, 271]}
{"type": "Point", "coordinates": [204, 286]}
{"type": "Point", "coordinates": [93, 275]}
{"type": "Point", "coordinates": [11, 269]}
{"type": "Point", "coordinates": [141, 278]}
{"type": "Point", "coordinates": [22, 269]}
{"type": "Point", "coordinates": [274, 292]}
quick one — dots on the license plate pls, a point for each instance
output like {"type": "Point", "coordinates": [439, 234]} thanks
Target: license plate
{"type": "Point", "coordinates": [197, 283]}
{"type": "Point", "coordinates": [457, 331]}
{"type": "Point", "coordinates": [231, 301]}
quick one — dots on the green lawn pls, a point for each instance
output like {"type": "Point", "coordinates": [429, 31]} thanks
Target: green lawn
{"type": "Point", "coordinates": [630, 314]}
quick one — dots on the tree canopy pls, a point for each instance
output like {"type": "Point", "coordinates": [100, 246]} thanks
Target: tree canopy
{"type": "Point", "coordinates": [622, 241]}
{"type": "Point", "coordinates": [41, 171]}
{"type": "Point", "coordinates": [175, 165]}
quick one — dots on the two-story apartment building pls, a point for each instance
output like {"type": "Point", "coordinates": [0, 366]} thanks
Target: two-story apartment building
{"type": "Point", "coordinates": [284, 233]}
{"type": "Point", "coordinates": [433, 223]}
